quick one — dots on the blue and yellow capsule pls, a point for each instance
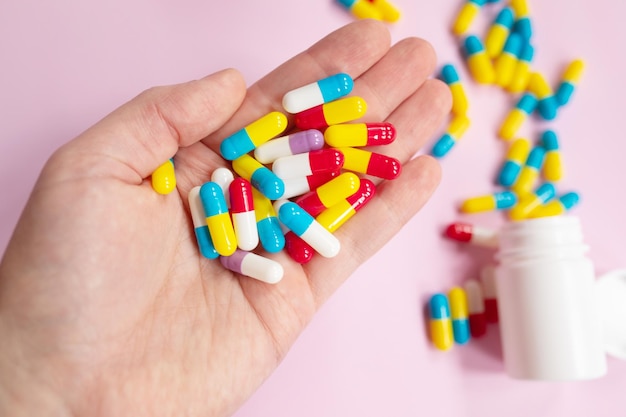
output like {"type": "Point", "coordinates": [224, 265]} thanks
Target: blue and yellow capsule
{"type": "Point", "coordinates": [253, 135]}
{"type": "Point", "coordinates": [513, 121]}
{"type": "Point", "coordinates": [270, 234]}
{"type": "Point", "coordinates": [361, 9]}
{"type": "Point", "coordinates": [450, 76]}
{"type": "Point", "coordinates": [198, 217]}
{"type": "Point", "coordinates": [506, 62]}
{"type": "Point", "coordinates": [218, 218]}
{"type": "Point", "coordinates": [557, 206]}
{"type": "Point", "coordinates": [499, 32]}
{"type": "Point", "coordinates": [522, 24]}
{"type": "Point", "coordinates": [164, 178]}
{"type": "Point", "coordinates": [457, 127]}
{"type": "Point", "coordinates": [544, 193]}
{"type": "Point", "coordinates": [515, 159]}
{"type": "Point", "coordinates": [459, 314]}
{"type": "Point", "coordinates": [522, 71]}
{"type": "Point", "coordinates": [501, 200]}
{"type": "Point", "coordinates": [261, 177]}
{"type": "Point", "coordinates": [466, 16]}
{"type": "Point", "coordinates": [478, 62]}
{"type": "Point", "coordinates": [553, 164]}
{"type": "Point", "coordinates": [440, 322]}
{"type": "Point", "coordinates": [547, 106]}
{"type": "Point", "coordinates": [530, 171]}
{"type": "Point", "coordinates": [570, 79]}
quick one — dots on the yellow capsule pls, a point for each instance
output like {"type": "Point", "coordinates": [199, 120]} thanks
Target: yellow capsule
{"type": "Point", "coordinates": [261, 177]}
{"type": "Point", "coordinates": [164, 178]}
{"type": "Point", "coordinates": [501, 200]}
{"type": "Point", "coordinates": [478, 62]}
{"type": "Point", "coordinates": [520, 7]}
{"type": "Point", "coordinates": [466, 16]}
{"type": "Point", "coordinates": [530, 202]}
{"type": "Point", "coordinates": [218, 218]}
{"type": "Point", "coordinates": [513, 121]}
{"type": "Point", "coordinates": [499, 32]}
{"type": "Point", "coordinates": [515, 159]}
{"type": "Point", "coordinates": [253, 135]}
{"type": "Point", "coordinates": [557, 206]}
{"type": "Point", "coordinates": [522, 71]}
{"type": "Point", "coordinates": [553, 165]}
{"type": "Point", "coordinates": [335, 216]}
{"type": "Point", "coordinates": [362, 9]}
{"type": "Point", "coordinates": [450, 76]}
{"type": "Point", "coordinates": [530, 171]}
{"type": "Point", "coordinates": [570, 79]}
{"type": "Point", "coordinates": [538, 85]}
{"type": "Point", "coordinates": [360, 134]}
{"type": "Point", "coordinates": [459, 315]}
{"type": "Point", "coordinates": [332, 113]}
{"type": "Point", "coordinates": [388, 11]}
{"type": "Point", "coordinates": [506, 62]}
{"type": "Point", "coordinates": [440, 323]}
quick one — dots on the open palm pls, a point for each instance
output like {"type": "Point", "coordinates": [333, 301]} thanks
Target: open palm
{"type": "Point", "coordinates": [106, 305]}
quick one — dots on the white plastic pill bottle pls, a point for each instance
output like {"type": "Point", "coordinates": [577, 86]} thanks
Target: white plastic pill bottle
{"type": "Point", "coordinates": [549, 318]}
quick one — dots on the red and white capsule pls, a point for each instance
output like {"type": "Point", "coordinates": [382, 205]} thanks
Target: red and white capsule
{"type": "Point", "coordinates": [475, 235]}
{"type": "Point", "coordinates": [488, 280]}
{"type": "Point", "coordinates": [476, 308]}
{"type": "Point", "coordinates": [242, 212]}
{"type": "Point", "coordinates": [309, 163]}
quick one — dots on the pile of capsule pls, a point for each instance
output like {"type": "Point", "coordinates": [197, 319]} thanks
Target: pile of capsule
{"type": "Point", "coordinates": [289, 191]}
{"type": "Point", "coordinates": [372, 9]}
{"type": "Point", "coordinates": [528, 176]}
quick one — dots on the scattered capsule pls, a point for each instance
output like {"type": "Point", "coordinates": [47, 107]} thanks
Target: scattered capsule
{"type": "Point", "coordinates": [253, 135]}
{"type": "Point", "coordinates": [557, 206]}
{"type": "Point", "coordinates": [450, 76]}
{"type": "Point", "coordinates": [335, 216]}
{"type": "Point", "coordinates": [515, 159]}
{"type": "Point", "coordinates": [553, 164]}
{"type": "Point", "coordinates": [478, 62]}
{"type": "Point", "coordinates": [205, 244]}
{"type": "Point", "coordinates": [522, 23]}
{"type": "Point", "coordinates": [497, 201]}
{"type": "Point", "coordinates": [164, 178]}
{"type": "Point", "coordinates": [490, 295]}
{"type": "Point", "coordinates": [253, 266]}
{"type": "Point", "coordinates": [308, 229]}
{"type": "Point", "coordinates": [570, 79]}
{"type": "Point", "coordinates": [474, 235]}
{"type": "Point", "coordinates": [522, 71]}
{"type": "Point", "coordinates": [361, 9]}
{"type": "Point", "coordinates": [440, 323]}
{"type": "Point", "coordinates": [530, 171]}
{"type": "Point", "coordinates": [459, 315]}
{"type": "Point", "coordinates": [223, 177]}
{"type": "Point", "coordinates": [309, 163]}
{"type": "Point", "coordinates": [466, 16]}
{"type": "Point", "coordinates": [360, 134]}
{"type": "Point", "coordinates": [320, 92]}
{"type": "Point", "coordinates": [270, 234]}
{"type": "Point", "coordinates": [301, 185]}
{"type": "Point", "coordinates": [455, 131]}
{"type": "Point", "coordinates": [388, 11]}
{"type": "Point", "coordinates": [299, 142]}
{"type": "Point", "coordinates": [476, 308]}
{"type": "Point", "coordinates": [499, 31]}
{"type": "Point", "coordinates": [506, 62]}
{"type": "Point", "coordinates": [371, 163]}
{"type": "Point", "coordinates": [326, 195]}
{"type": "Point", "coordinates": [336, 112]}
{"type": "Point", "coordinates": [218, 218]}
{"type": "Point", "coordinates": [261, 177]}
{"type": "Point", "coordinates": [513, 121]}
{"type": "Point", "coordinates": [547, 105]}
{"type": "Point", "coordinates": [242, 214]}
{"type": "Point", "coordinates": [530, 202]}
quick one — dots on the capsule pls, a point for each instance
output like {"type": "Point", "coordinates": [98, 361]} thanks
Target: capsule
{"type": "Point", "coordinates": [309, 163]}
{"type": "Point", "coordinates": [371, 163]}
{"type": "Point", "coordinates": [476, 308]}
{"type": "Point", "coordinates": [553, 164]}
{"type": "Point", "coordinates": [513, 121]}
{"type": "Point", "coordinates": [164, 178]}
{"type": "Point", "coordinates": [557, 206]}
{"type": "Point", "coordinates": [242, 214]}
{"type": "Point", "coordinates": [253, 266]}
{"type": "Point", "coordinates": [522, 23]}
{"type": "Point", "coordinates": [515, 159]}
{"type": "Point", "coordinates": [570, 79]}
{"type": "Point", "coordinates": [474, 235]}
{"type": "Point", "coordinates": [497, 201]}
{"type": "Point", "coordinates": [270, 234]}
{"type": "Point", "coordinates": [301, 185]}
{"type": "Point", "coordinates": [522, 71]}
{"type": "Point", "coordinates": [336, 112]}
{"type": "Point", "coordinates": [297, 143]}
{"type": "Point", "coordinates": [297, 249]}
{"type": "Point", "coordinates": [335, 216]}
{"type": "Point", "coordinates": [223, 177]}
{"type": "Point", "coordinates": [335, 190]}
{"type": "Point", "coordinates": [478, 62]}
{"type": "Point", "coordinates": [323, 91]}
{"type": "Point", "coordinates": [388, 11]}
{"type": "Point", "coordinates": [450, 76]}
{"type": "Point", "coordinates": [490, 295]}
{"type": "Point", "coordinates": [499, 31]}
{"type": "Point", "coordinates": [459, 315]}
{"type": "Point", "coordinates": [253, 135]}
{"type": "Point", "coordinates": [361, 9]}
{"type": "Point", "coordinates": [205, 244]}
{"type": "Point", "coordinates": [308, 229]}
{"type": "Point", "coordinates": [466, 16]}
{"type": "Point", "coordinates": [440, 323]}
{"type": "Point", "coordinates": [530, 171]}
{"type": "Point", "coordinates": [261, 177]}
{"type": "Point", "coordinates": [506, 62]}
{"type": "Point", "coordinates": [530, 202]}
{"type": "Point", "coordinates": [218, 218]}
{"type": "Point", "coordinates": [360, 134]}
{"type": "Point", "coordinates": [547, 105]}
{"type": "Point", "coordinates": [455, 131]}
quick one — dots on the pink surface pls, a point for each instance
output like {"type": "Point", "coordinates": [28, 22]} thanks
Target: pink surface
{"type": "Point", "coordinates": [65, 64]}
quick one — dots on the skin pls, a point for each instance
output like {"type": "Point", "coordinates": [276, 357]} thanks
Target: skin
{"type": "Point", "coordinates": [106, 307]}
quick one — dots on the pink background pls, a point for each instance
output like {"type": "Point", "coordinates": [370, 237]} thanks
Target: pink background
{"type": "Point", "coordinates": [65, 64]}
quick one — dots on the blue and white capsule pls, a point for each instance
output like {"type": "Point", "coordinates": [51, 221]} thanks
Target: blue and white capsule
{"type": "Point", "coordinates": [320, 92]}
{"type": "Point", "coordinates": [198, 217]}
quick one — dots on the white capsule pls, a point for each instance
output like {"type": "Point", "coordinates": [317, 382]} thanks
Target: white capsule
{"type": "Point", "coordinates": [254, 266]}
{"type": "Point", "coordinates": [300, 142]}
{"type": "Point", "coordinates": [475, 301]}
{"type": "Point", "coordinates": [223, 177]}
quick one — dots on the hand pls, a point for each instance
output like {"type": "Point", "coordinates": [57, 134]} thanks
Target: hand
{"type": "Point", "coordinates": [106, 307]}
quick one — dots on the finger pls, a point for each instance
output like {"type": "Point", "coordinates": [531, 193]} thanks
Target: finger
{"type": "Point", "coordinates": [149, 129]}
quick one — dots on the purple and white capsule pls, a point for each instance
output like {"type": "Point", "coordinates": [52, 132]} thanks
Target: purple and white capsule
{"type": "Point", "coordinates": [253, 266]}
{"type": "Point", "coordinates": [300, 142]}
